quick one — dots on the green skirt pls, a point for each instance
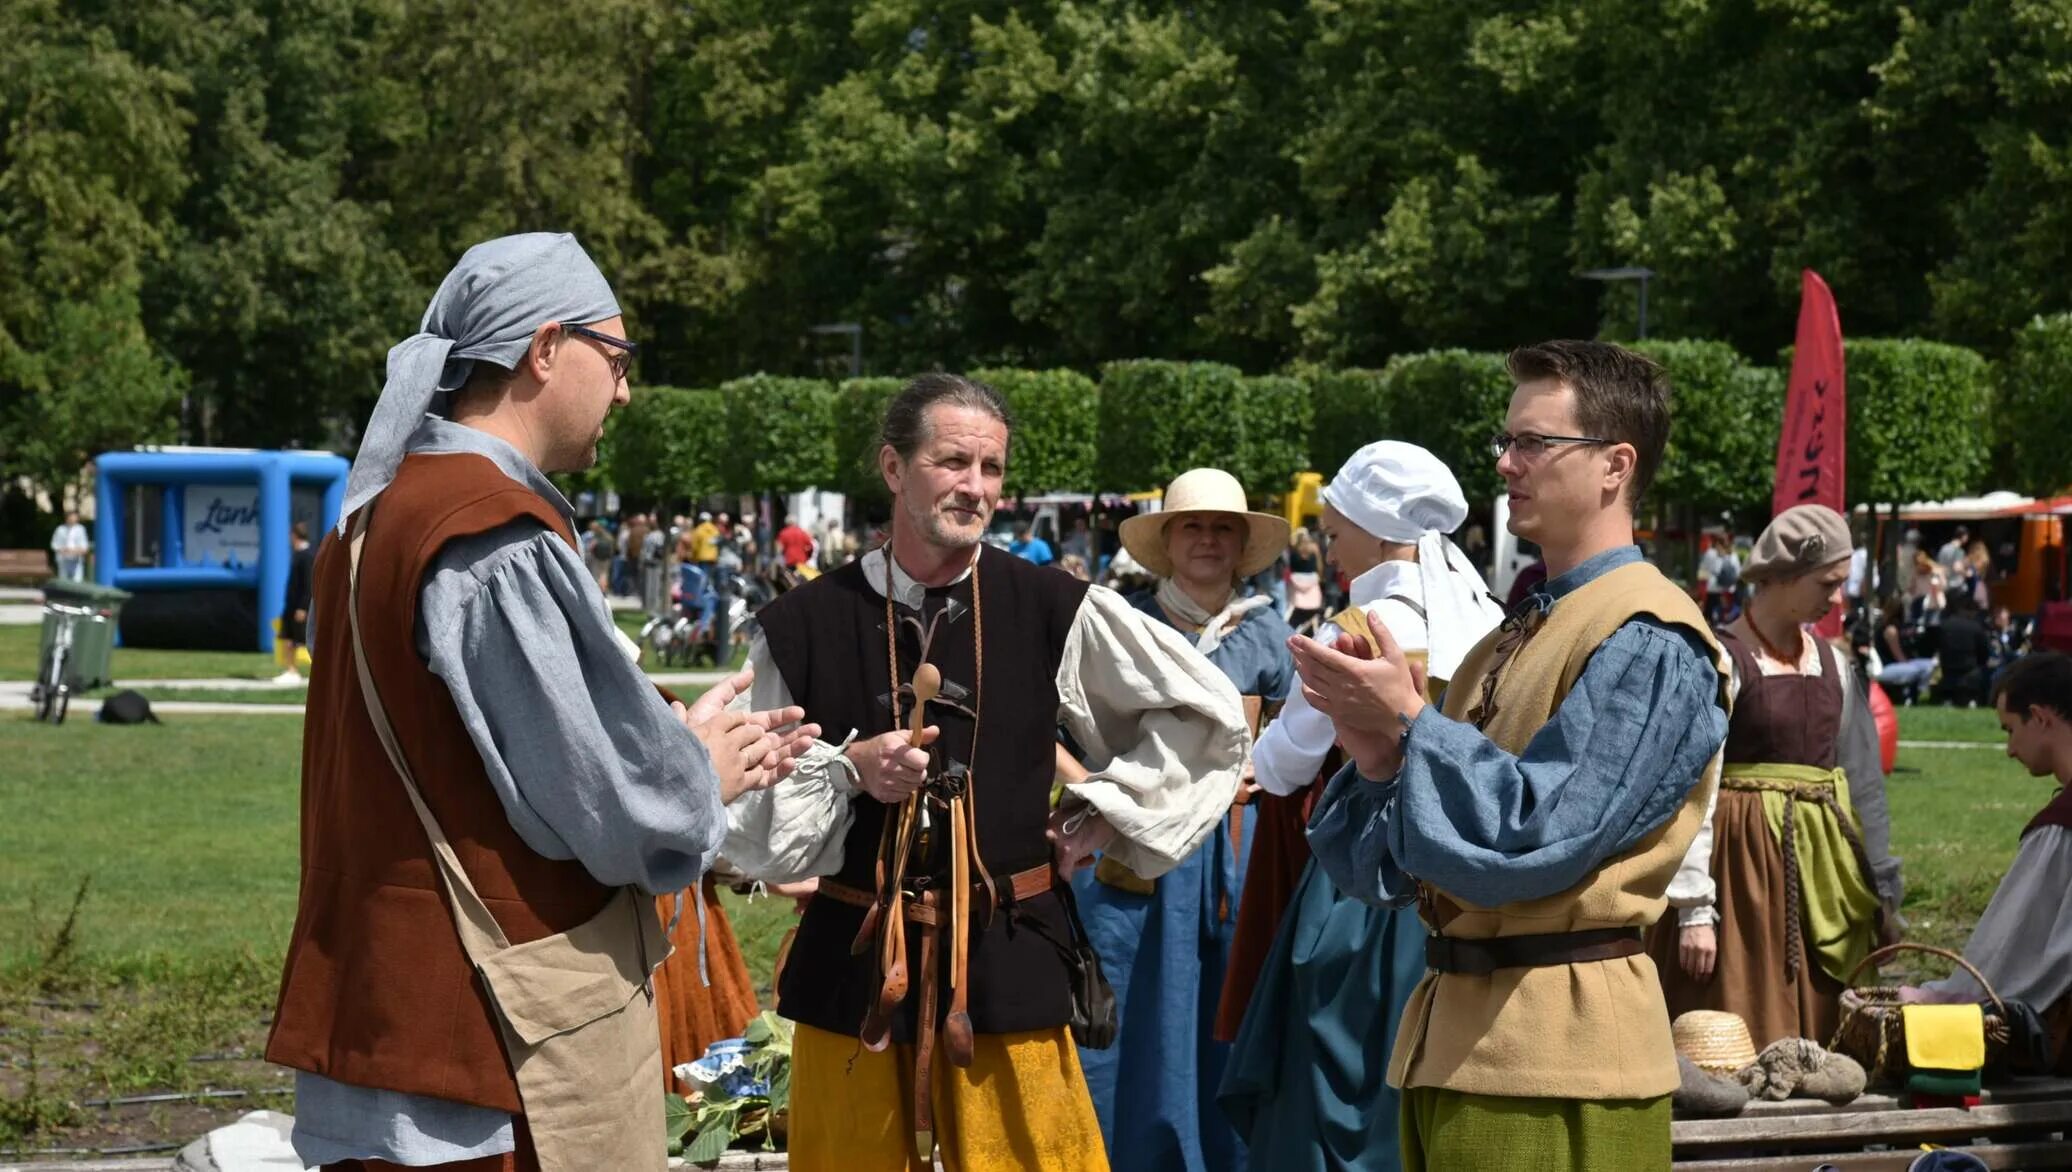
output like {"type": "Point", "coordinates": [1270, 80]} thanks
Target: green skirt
{"type": "Point", "coordinates": [1447, 1131]}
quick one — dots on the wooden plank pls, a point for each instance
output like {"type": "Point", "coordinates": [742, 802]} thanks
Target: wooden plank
{"type": "Point", "coordinates": [1892, 1126]}
{"type": "Point", "coordinates": [2013, 1091]}
{"type": "Point", "coordinates": [2031, 1157]}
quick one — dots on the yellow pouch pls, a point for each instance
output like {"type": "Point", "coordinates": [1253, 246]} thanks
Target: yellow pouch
{"type": "Point", "coordinates": [1120, 877]}
{"type": "Point", "coordinates": [1945, 1037]}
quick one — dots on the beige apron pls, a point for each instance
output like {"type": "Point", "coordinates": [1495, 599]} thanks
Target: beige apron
{"type": "Point", "coordinates": [577, 1009]}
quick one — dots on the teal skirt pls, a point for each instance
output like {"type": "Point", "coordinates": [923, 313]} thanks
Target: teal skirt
{"type": "Point", "coordinates": [1307, 1079]}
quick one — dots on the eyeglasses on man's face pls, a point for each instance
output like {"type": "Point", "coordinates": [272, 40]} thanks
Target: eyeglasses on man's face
{"type": "Point", "coordinates": [1531, 444]}
{"type": "Point", "coordinates": [618, 351]}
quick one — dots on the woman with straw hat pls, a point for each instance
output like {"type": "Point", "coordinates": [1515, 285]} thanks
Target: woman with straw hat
{"type": "Point", "coordinates": [1318, 978]}
{"type": "Point", "coordinates": [1791, 878]}
{"type": "Point", "coordinates": [1164, 945]}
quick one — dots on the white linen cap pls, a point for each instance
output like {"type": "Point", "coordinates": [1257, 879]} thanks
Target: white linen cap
{"type": "Point", "coordinates": [1398, 492]}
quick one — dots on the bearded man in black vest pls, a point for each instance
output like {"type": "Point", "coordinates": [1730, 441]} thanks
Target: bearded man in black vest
{"type": "Point", "coordinates": [940, 937]}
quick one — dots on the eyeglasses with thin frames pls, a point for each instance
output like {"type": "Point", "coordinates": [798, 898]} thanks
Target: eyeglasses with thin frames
{"type": "Point", "coordinates": [1532, 445]}
{"type": "Point", "coordinates": [619, 352]}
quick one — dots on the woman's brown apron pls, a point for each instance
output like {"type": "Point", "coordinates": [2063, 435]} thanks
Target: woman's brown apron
{"type": "Point", "coordinates": [1280, 851]}
{"type": "Point", "coordinates": [693, 1015]}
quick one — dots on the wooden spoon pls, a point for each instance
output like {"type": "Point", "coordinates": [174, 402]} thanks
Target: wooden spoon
{"type": "Point", "coordinates": [927, 686]}
{"type": "Point", "coordinates": [957, 1032]}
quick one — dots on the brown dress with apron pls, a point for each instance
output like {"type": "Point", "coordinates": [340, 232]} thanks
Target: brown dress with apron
{"type": "Point", "coordinates": [1280, 852]}
{"type": "Point", "coordinates": [693, 1015]}
{"type": "Point", "coordinates": [1788, 719]}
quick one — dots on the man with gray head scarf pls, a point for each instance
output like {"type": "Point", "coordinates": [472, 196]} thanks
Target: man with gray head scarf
{"type": "Point", "coordinates": [492, 792]}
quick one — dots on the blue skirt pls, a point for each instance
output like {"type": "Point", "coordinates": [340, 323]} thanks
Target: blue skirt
{"type": "Point", "coordinates": [1307, 1080]}
{"type": "Point", "coordinates": [1154, 1091]}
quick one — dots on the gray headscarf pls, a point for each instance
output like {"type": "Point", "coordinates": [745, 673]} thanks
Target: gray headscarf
{"type": "Point", "coordinates": [486, 309]}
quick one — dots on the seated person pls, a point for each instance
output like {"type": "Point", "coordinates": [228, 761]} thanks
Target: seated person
{"type": "Point", "coordinates": [2009, 635]}
{"type": "Point", "coordinates": [2023, 942]}
{"type": "Point", "coordinates": [1902, 668]}
{"type": "Point", "coordinates": [1963, 648]}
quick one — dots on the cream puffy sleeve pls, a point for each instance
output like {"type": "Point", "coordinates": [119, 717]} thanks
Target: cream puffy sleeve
{"type": "Point", "coordinates": [1162, 729]}
{"type": "Point", "coordinates": [794, 829]}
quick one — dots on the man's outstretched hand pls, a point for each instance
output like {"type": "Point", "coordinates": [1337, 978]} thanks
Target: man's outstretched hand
{"type": "Point", "coordinates": [749, 750]}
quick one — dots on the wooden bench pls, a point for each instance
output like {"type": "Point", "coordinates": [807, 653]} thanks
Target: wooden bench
{"type": "Point", "coordinates": [31, 566]}
{"type": "Point", "coordinates": [2022, 1124]}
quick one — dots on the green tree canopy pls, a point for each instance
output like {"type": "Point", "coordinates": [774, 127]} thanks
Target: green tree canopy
{"type": "Point", "coordinates": [2033, 404]}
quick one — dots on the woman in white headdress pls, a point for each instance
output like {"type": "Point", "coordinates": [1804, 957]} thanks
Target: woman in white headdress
{"type": "Point", "coordinates": [1306, 1082]}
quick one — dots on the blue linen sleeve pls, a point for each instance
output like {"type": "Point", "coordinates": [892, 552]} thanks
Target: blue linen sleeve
{"type": "Point", "coordinates": [587, 759]}
{"type": "Point", "coordinates": [1619, 757]}
{"type": "Point", "coordinates": [1349, 838]}
{"type": "Point", "coordinates": [1617, 760]}
{"type": "Point", "coordinates": [1275, 674]}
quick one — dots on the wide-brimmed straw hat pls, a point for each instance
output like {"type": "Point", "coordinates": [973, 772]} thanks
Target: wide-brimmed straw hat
{"type": "Point", "coordinates": [1715, 1041]}
{"type": "Point", "coordinates": [1205, 490]}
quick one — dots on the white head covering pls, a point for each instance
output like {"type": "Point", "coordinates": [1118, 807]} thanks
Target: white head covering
{"type": "Point", "coordinates": [487, 308]}
{"type": "Point", "coordinates": [1459, 609]}
{"type": "Point", "coordinates": [1400, 492]}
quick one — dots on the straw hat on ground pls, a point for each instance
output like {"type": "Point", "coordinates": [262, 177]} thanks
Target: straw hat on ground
{"type": "Point", "coordinates": [1715, 1041]}
{"type": "Point", "coordinates": [1205, 490]}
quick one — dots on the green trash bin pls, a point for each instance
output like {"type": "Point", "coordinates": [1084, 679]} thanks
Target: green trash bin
{"type": "Point", "coordinates": [93, 610]}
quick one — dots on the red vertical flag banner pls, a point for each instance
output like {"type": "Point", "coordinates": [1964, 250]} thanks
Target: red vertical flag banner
{"type": "Point", "coordinates": [1812, 448]}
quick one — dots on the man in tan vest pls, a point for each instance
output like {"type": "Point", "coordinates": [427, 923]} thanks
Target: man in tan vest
{"type": "Point", "coordinates": [1538, 818]}
{"type": "Point", "coordinates": [492, 791]}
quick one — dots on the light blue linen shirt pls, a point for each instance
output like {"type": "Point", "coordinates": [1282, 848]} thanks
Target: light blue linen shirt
{"type": "Point", "coordinates": [586, 758]}
{"type": "Point", "coordinates": [1619, 757]}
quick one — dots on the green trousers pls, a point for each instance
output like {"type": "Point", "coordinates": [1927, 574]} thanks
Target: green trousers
{"type": "Point", "coordinates": [1447, 1131]}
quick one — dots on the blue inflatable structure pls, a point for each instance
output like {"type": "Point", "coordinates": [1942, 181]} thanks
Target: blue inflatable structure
{"type": "Point", "coordinates": [221, 529]}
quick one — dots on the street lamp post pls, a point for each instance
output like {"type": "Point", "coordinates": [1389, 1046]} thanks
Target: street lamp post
{"type": "Point", "coordinates": [1629, 273]}
{"type": "Point", "coordinates": [855, 333]}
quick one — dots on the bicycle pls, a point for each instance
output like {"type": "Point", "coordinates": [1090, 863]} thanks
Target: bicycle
{"type": "Point", "coordinates": [52, 694]}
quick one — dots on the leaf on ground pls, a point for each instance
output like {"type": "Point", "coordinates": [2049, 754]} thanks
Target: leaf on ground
{"type": "Point", "coordinates": [711, 1144]}
{"type": "Point", "coordinates": [676, 1117]}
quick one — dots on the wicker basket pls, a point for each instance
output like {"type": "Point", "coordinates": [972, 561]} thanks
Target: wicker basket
{"type": "Point", "coordinates": [1874, 1033]}
{"type": "Point", "coordinates": [1715, 1041]}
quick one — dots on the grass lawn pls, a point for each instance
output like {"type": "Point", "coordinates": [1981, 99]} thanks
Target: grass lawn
{"type": "Point", "coordinates": [19, 644]}
{"type": "Point", "coordinates": [185, 838]}
{"type": "Point", "coordinates": [281, 696]}
{"type": "Point", "coordinates": [1924, 722]}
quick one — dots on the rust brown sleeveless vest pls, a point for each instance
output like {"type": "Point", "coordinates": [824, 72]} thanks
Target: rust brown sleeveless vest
{"type": "Point", "coordinates": [376, 991]}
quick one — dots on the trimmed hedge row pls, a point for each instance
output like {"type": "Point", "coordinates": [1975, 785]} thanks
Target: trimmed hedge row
{"type": "Point", "coordinates": [1921, 417]}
